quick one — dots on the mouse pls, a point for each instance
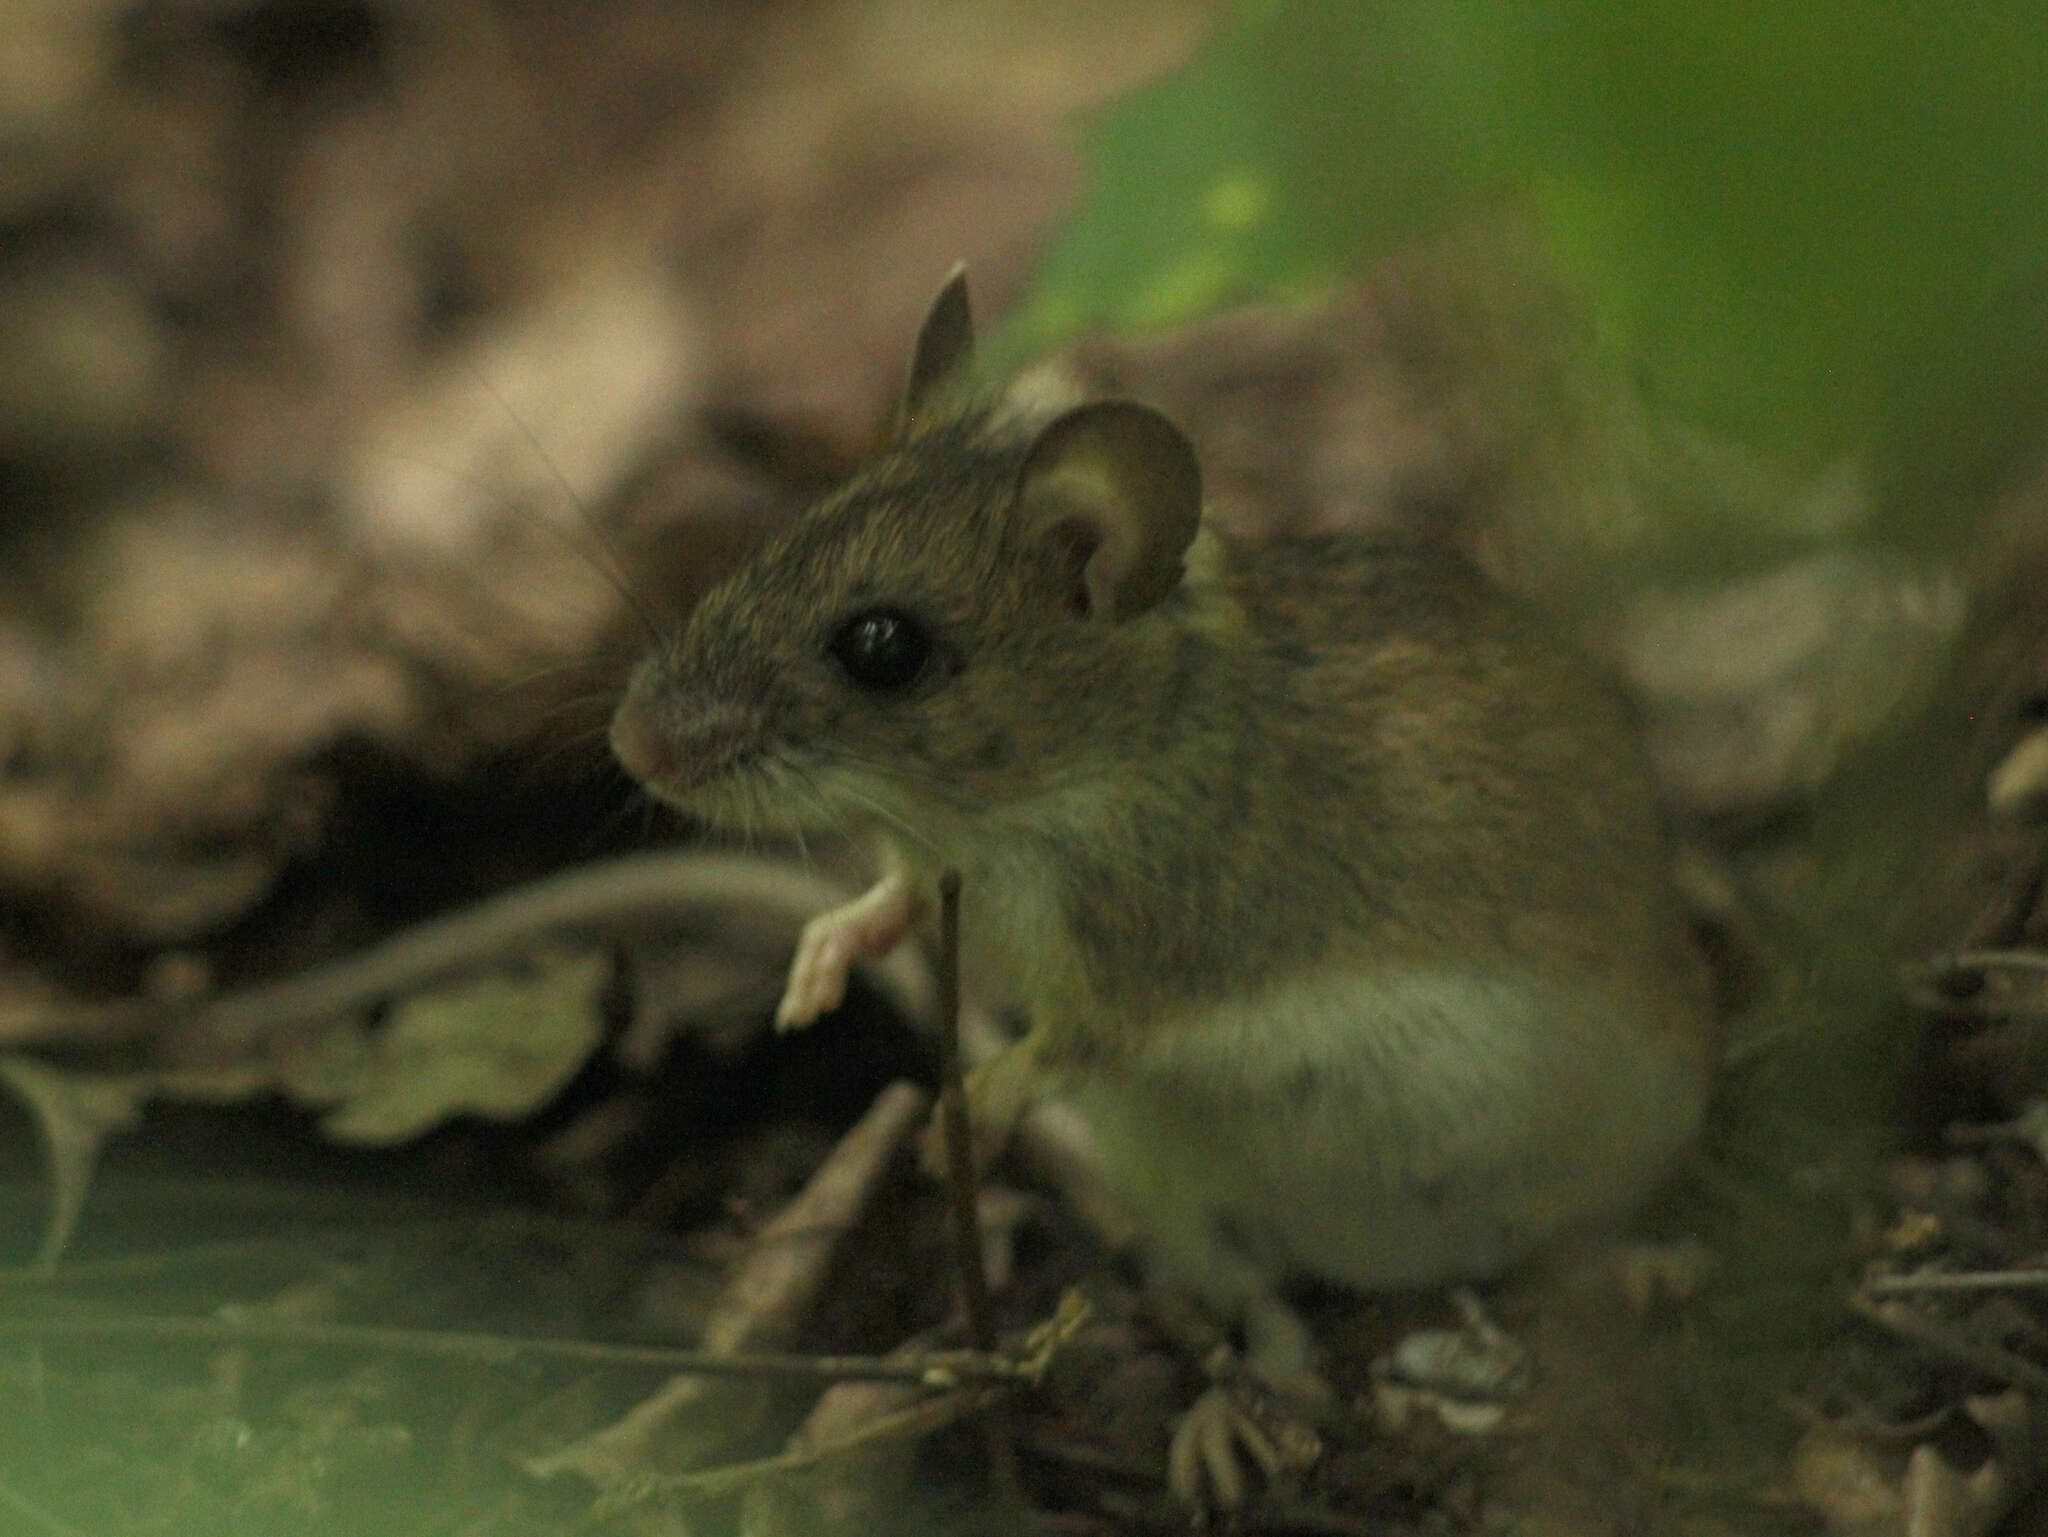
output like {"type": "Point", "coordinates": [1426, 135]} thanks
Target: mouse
{"type": "Point", "coordinates": [1330, 882]}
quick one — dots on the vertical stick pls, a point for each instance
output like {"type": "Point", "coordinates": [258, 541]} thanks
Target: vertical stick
{"type": "Point", "coordinates": [962, 1186]}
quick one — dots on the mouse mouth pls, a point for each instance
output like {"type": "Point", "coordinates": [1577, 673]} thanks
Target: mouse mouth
{"type": "Point", "coordinates": [765, 789]}
{"type": "Point", "coordinates": [682, 750]}
{"type": "Point", "coordinates": [674, 750]}
{"type": "Point", "coordinates": [714, 762]}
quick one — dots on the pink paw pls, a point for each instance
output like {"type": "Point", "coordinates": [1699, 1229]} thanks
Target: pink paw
{"type": "Point", "coordinates": [1238, 1422]}
{"type": "Point", "coordinates": [865, 929]}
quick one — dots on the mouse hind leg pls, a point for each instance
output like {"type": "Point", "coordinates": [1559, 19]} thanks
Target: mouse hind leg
{"type": "Point", "coordinates": [1262, 1410]}
{"type": "Point", "coordinates": [1267, 1399]}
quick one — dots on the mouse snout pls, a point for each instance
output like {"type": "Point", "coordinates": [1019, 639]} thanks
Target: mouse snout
{"type": "Point", "coordinates": [673, 745]}
{"type": "Point", "coordinates": [638, 744]}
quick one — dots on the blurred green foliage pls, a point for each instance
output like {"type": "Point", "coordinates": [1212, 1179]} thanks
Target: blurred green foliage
{"type": "Point", "coordinates": [1811, 230]}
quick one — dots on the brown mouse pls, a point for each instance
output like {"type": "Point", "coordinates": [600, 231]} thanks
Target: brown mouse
{"type": "Point", "coordinates": [1331, 886]}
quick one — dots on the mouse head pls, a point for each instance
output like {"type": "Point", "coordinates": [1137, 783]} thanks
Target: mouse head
{"type": "Point", "coordinates": [981, 616]}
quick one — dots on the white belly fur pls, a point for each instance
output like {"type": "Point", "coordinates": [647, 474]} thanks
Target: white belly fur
{"type": "Point", "coordinates": [1402, 1130]}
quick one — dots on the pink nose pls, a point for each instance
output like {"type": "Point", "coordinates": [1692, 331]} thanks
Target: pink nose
{"type": "Point", "coordinates": [675, 744]}
{"type": "Point", "coordinates": [639, 744]}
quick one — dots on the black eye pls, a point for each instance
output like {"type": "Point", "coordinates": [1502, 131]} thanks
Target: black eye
{"type": "Point", "coordinates": [883, 648]}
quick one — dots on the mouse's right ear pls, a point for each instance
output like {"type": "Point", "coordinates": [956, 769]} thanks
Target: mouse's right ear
{"type": "Point", "coordinates": [1119, 489]}
{"type": "Point", "coordinates": [945, 343]}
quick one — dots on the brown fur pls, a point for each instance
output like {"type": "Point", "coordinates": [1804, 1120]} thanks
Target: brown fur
{"type": "Point", "coordinates": [1329, 749]}
{"type": "Point", "coordinates": [1331, 884]}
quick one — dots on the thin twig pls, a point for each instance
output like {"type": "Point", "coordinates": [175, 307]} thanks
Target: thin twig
{"type": "Point", "coordinates": [1927, 984]}
{"type": "Point", "coordinates": [918, 1419]}
{"type": "Point", "coordinates": [921, 1418]}
{"type": "Point", "coordinates": [1929, 996]}
{"type": "Point", "coordinates": [960, 1172]}
{"type": "Point", "coordinates": [1992, 1360]}
{"type": "Point", "coordinates": [1990, 960]}
{"type": "Point", "coordinates": [963, 1188]}
{"type": "Point", "coordinates": [77, 1273]}
{"type": "Point", "coordinates": [1963, 1281]}
{"type": "Point", "coordinates": [939, 1368]}
{"type": "Point", "coordinates": [763, 1303]}
{"type": "Point", "coordinates": [935, 1369]}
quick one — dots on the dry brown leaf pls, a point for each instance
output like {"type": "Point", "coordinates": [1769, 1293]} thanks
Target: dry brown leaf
{"type": "Point", "coordinates": [76, 1114]}
{"type": "Point", "coordinates": [1864, 1489]}
{"type": "Point", "coordinates": [497, 1046]}
{"type": "Point", "coordinates": [426, 293]}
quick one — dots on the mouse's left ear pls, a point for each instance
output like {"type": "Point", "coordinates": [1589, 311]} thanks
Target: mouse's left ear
{"type": "Point", "coordinates": [1119, 487]}
{"type": "Point", "coordinates": [945, 343]}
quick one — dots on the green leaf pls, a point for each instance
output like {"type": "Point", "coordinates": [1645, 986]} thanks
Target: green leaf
{"type": "Point", "coordinates": [1813, 230]}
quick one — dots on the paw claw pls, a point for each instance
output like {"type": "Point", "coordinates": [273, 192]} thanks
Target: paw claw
{"type": "Point", "coordinates": [865, 929]}
{"type": "Point", "coordinates": [1227, 1426]}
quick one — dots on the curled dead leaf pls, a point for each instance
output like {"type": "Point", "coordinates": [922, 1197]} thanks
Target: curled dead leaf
{"type": "Point", "coordinates": [76, 1114]}
{"type": "Point", "coordinates": [498, 1046]}
{"type": "Point", "coordinates": [1863, 1488]}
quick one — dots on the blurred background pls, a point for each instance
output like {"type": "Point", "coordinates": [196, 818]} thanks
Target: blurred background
{"type": "Point", "coordinates": [372, 375]}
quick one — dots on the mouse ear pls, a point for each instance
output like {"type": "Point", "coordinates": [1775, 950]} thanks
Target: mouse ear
{"type": "Point", "coordinates": [1120, 486]}
{"type": "Point", "coordinates": [945, 342]}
